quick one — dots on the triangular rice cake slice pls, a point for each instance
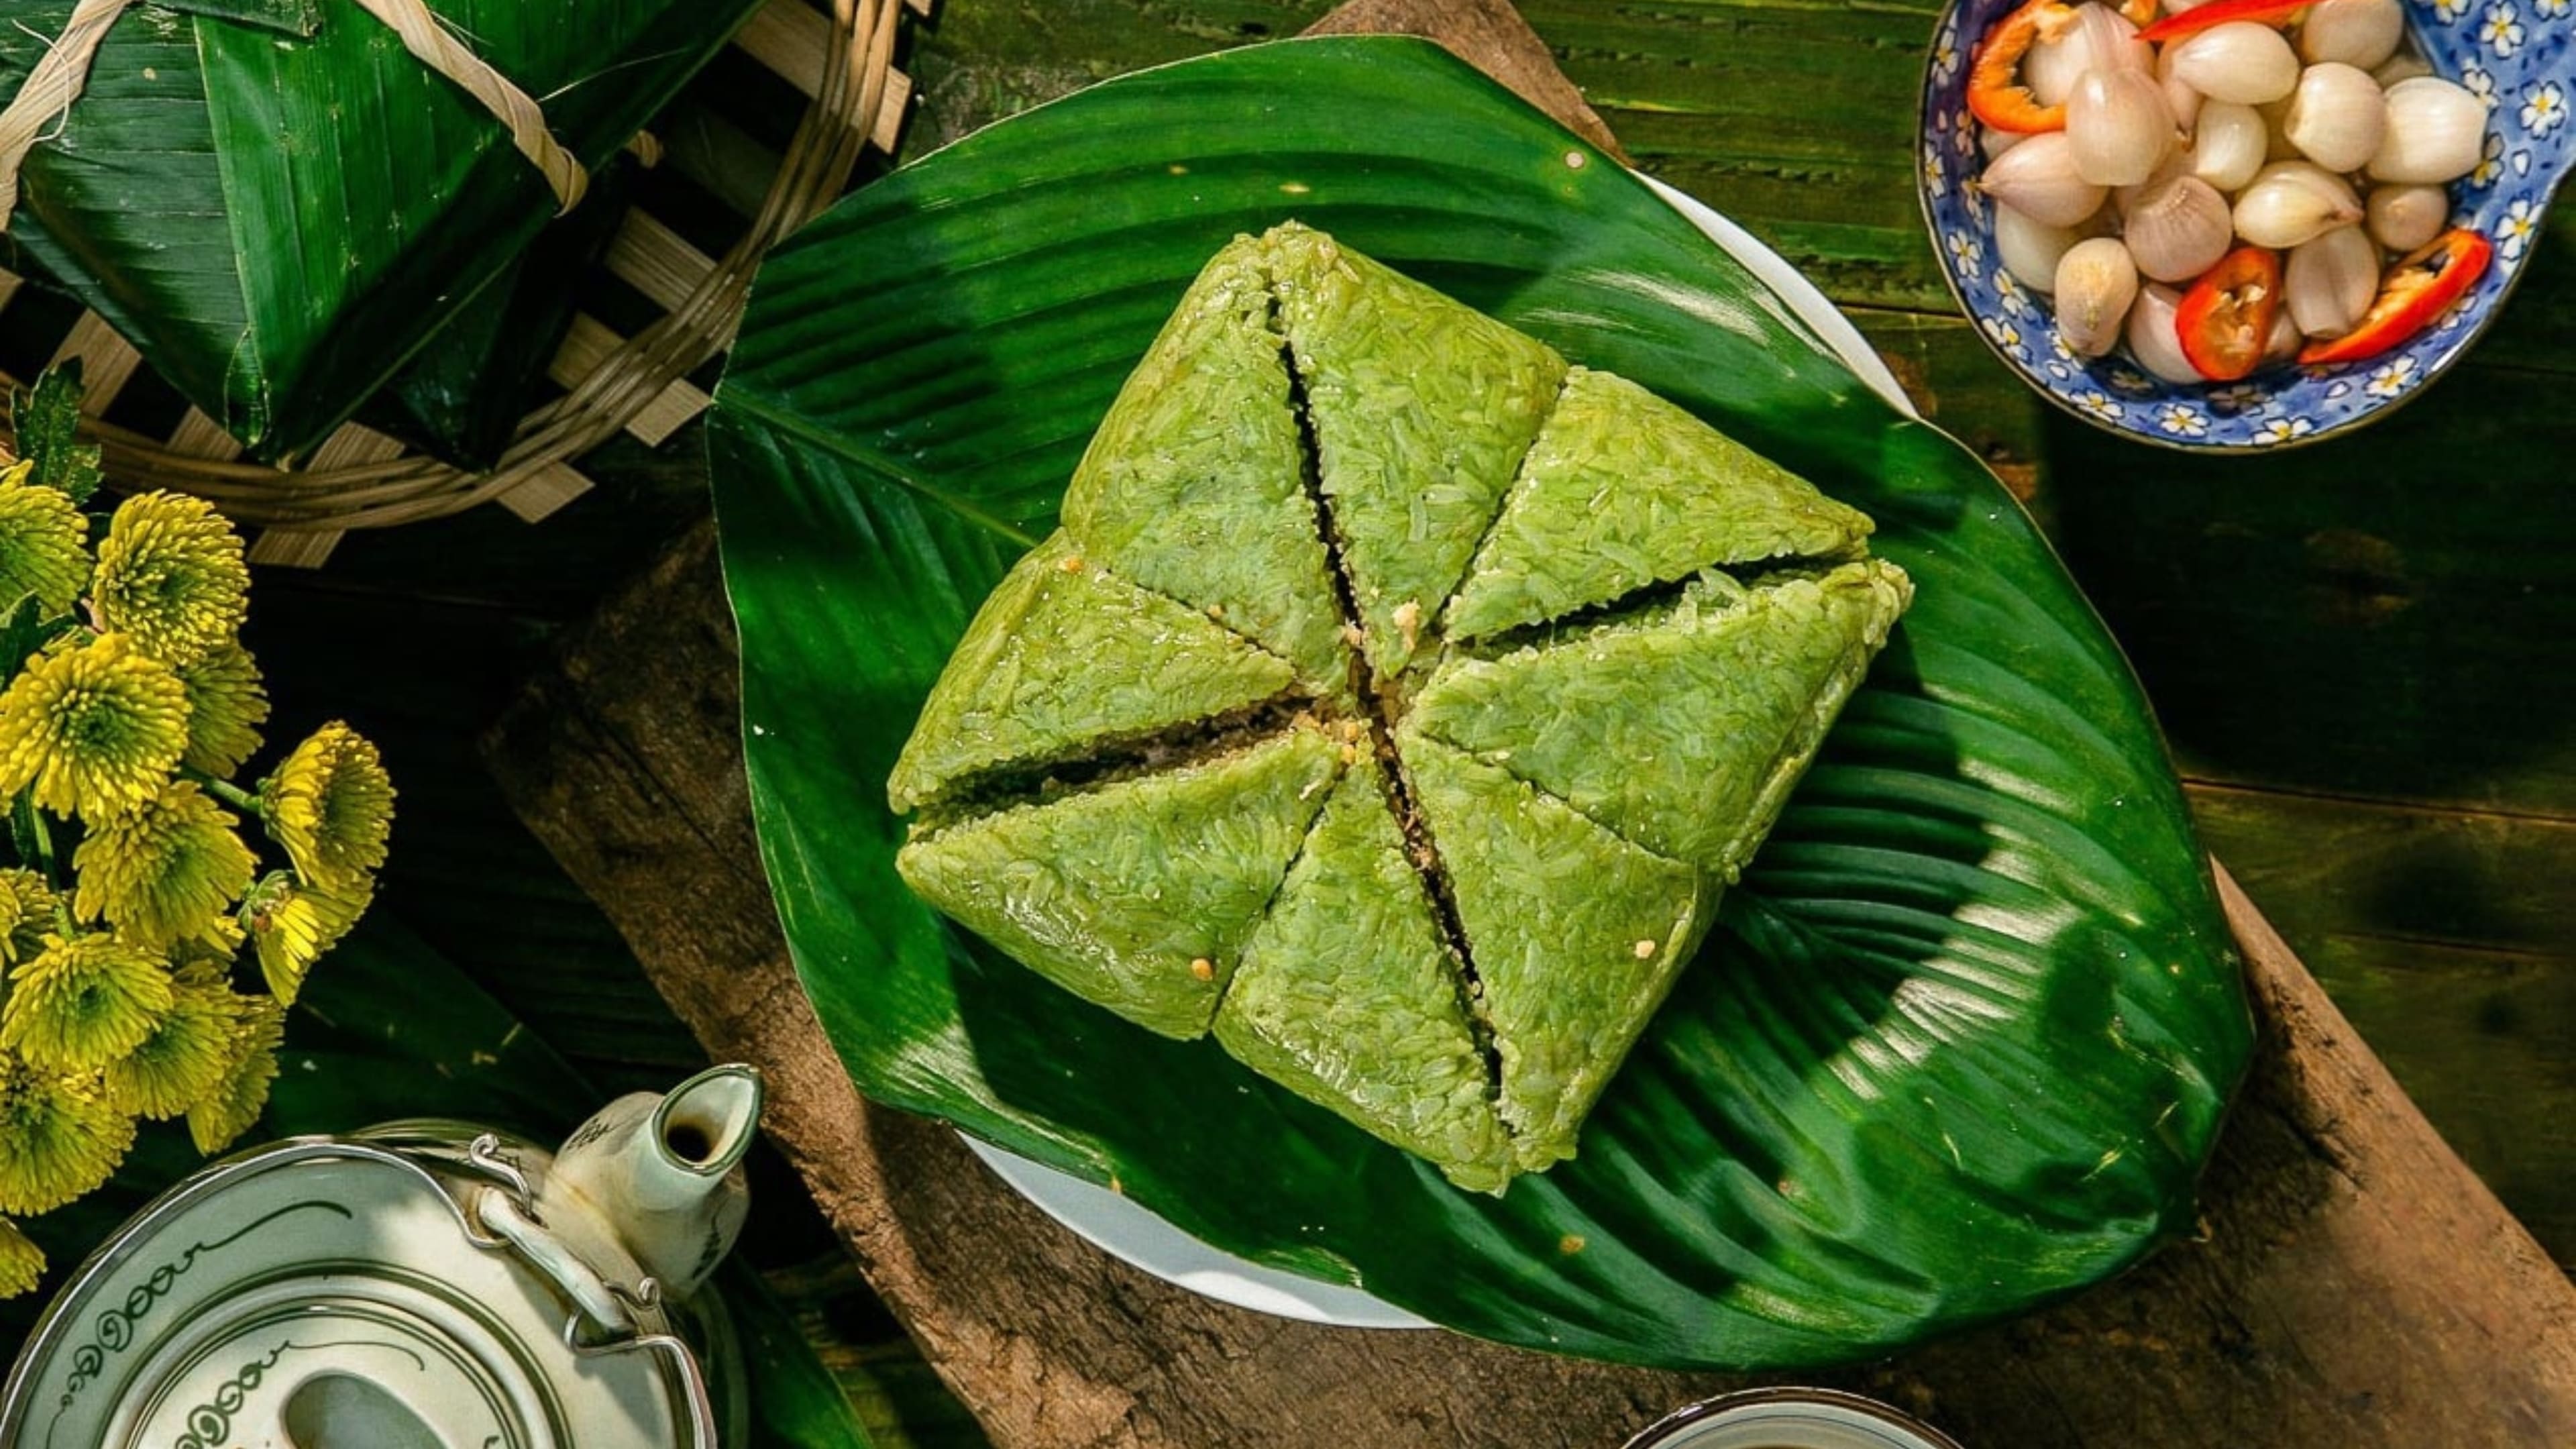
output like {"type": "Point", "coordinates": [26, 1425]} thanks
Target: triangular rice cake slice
{"type": "Point", "coordinates": [1624, 489]}
{"type": "Point", "coordinates": [1136, 895]}
{"type": "Point", "coordinates": [1575, 933]}
{"type": "Point", "coordinates": [1684, 730]}
{"type": "Point", "coordinates": [1194, 485]}
{"type": "Point", "coordinates": [1421, 408]}
{"type": "Point", "coordinates": [1349, 997]}
{"type": "Point", "coordinates": [1065, 659]}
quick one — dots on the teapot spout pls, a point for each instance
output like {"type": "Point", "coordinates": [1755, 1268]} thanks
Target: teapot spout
{"type": "Point", "coordinates": [664, 1174]}
{"type": "Point", "coordinates": [697, 1137]}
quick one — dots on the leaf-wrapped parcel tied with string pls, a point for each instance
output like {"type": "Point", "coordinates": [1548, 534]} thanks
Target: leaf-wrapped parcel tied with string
{"type": "Point", "coordinates": [279, 201]}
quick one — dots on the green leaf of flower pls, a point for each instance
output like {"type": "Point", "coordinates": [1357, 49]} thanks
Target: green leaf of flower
{"type": "Point", "coordinates": [47, 420]}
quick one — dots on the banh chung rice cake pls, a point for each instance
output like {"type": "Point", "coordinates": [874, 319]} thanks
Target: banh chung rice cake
{"type": "Point", "coordinates": [1393, 704]}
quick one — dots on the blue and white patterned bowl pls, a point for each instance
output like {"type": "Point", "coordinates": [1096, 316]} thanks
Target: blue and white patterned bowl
{"type": "Point", "coordinates": [2519, 54]}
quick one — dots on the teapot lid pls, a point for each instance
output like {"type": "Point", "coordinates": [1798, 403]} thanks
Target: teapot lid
{"type": "Point", "coordinates": [324, 1291]}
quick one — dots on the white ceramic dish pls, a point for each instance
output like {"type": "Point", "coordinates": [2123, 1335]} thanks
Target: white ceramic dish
{"type": "Point", "coordinates": [1134, 1235]}
{"type": "Point", "coordinates": [1789, 1419]}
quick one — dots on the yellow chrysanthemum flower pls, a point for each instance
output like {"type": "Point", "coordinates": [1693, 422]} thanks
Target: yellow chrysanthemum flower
{"type": "Point", "coordinates": [44, 544]}
{"type": "Point", "coordinates": [59, 1138]}
{"type": "Point", "coordinates": [83, 1002]}
{"type": "Point", "coordinates": [215, 948]}
{"type": "Point", "coordinates": [164, 872]}
{"type": "Point", "coordinates": [226, 707]}
{"type": "Point", "coordinates": [236, 1102]}
{"type": "Point", "coordinates": [331, 805]}
{"type": "Point", "coordinates": [95, 729]}
{"type": "Point", "coordinates": [170, 572]}
{"type": "Point", "coordinates": [185, 1058]}
{"type": "Point", "coordinates": [294, 923]}
{"type": "Point", "coordinates": [26, 915]}
{"type": "Point", "coordinates": [22, 1263]}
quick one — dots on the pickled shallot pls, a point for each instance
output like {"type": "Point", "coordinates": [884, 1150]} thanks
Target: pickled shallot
{"type": "Point", "coordinates": [2225, 185]}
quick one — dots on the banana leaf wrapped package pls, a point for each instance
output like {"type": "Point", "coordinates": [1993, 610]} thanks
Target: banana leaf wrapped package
{"type": "Point", "coordinates": [279, 202]}
{"type": "Point", "coordinates": [1394, 704]}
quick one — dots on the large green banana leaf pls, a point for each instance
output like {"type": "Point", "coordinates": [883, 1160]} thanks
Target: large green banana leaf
{"type": "Point", "coordinates": [1965, 1033]}
{"type": "Point", "coordinates": [277, 222]}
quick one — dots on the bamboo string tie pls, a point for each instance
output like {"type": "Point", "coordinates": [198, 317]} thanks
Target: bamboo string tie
{"type": "Point", "coordinates": [58, 80]}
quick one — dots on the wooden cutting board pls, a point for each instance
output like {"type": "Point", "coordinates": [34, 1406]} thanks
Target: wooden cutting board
{"type": "Point", "coordinates": [2353, 1283]}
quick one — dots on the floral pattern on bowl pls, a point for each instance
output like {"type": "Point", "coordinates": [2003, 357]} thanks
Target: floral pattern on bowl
{"type": "Point", "coordinates": [2518, 54]}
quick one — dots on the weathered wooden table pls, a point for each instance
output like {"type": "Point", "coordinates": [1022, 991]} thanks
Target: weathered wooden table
{"type": "Point", "coordinates": [2338, 638]}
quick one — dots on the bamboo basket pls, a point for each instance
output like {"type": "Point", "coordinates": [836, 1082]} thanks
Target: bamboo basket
{"type": "Point", "coordinates": [838, 53]}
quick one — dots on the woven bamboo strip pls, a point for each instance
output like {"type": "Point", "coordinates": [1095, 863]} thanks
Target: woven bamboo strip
{"type": "Point", "coordinates": [544, 492]}
{"type": "Point", "coordinates": [657, 261]}
{"type": "Point", "coordinates": [588, 346]}
{"type": "Point", "coordinates": [792, 40]}
{"type": "Point", "coordinates": [199, 436]}
{"type": "Point", "coordinates": [360, 479]}
{"type": "Point", "coordinates": [310, 548]}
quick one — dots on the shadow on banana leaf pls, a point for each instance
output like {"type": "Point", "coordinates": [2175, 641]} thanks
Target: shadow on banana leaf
{"type": "Point", "coordinates": [389, 1028]}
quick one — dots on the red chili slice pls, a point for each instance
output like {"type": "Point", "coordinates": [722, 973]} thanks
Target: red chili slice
{"type": "Point", "coordinates": [1995, 95]}
{"type": "Point", "coordinates": [2415, 293]}
{"type": "Point", "coordinates": [2225, 320]}
{"type": "Point", "coordinates": [2276, 13]}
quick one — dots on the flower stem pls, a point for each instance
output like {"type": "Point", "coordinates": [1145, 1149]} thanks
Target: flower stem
{"type": "Point", "coordinates": [35, 843]}
{"type": "Point", "coordinates": [228, 792]}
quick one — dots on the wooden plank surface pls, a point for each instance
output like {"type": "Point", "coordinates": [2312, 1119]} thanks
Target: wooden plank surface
{"type": "Point", "coordinates": [2354, 1284]}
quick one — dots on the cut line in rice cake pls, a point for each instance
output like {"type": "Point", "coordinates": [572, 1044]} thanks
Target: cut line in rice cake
{"type": "Point", "coordinates": [1623, 490]}
{"type": "Point", "coordinates": [1195, 484]}
{"type": "Point", "coordinates": [1422, 408]}
{"type": "Point", "coordinates": [1685, 729]}
{"type": "Point", "coordinates": [1349, 996]}
{"type": "Point", "coordinates": [1136, 894]}
{"type": "Point", "coordinates": [1576, 935]}
{"type": "Point", "coordinates": [1065, 659]}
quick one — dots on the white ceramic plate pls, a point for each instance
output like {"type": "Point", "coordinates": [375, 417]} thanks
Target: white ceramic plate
{"type": "Point", "coordinates": [1134, 1235]}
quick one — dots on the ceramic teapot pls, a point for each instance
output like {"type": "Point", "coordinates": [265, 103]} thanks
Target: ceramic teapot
{"type": "Point", "coordinates": [422, 1285]}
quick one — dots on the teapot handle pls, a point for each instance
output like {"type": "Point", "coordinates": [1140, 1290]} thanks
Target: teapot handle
{"type": "Point", "coordinates": [693, 1383]}
{"type": "Point", "coordinates": [601, 1304]}
{"type": "Point", "coordinates": [594, 1297]}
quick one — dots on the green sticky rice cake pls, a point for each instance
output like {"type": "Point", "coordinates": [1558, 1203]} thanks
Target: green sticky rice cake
{"type": "Point", "coordinates": [1026, 689]}
{"type": "Point", "coordinates": [1196, 483]}
{"type": "Point", "coordinates": [1394, 705]}
{"type": "Point", "coordinates": [1575, 932]}
{"type": "Point", "coordinates": [1421, 409]}
{"type": "Point", "coordinates": [1685, 729]}
{"type": "Point", "coordinates": [1137, 894]}
{"type": "Point", "coordinates": [1622, 490]}
{"type": "Point", "coordinates": [1349, 996]}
